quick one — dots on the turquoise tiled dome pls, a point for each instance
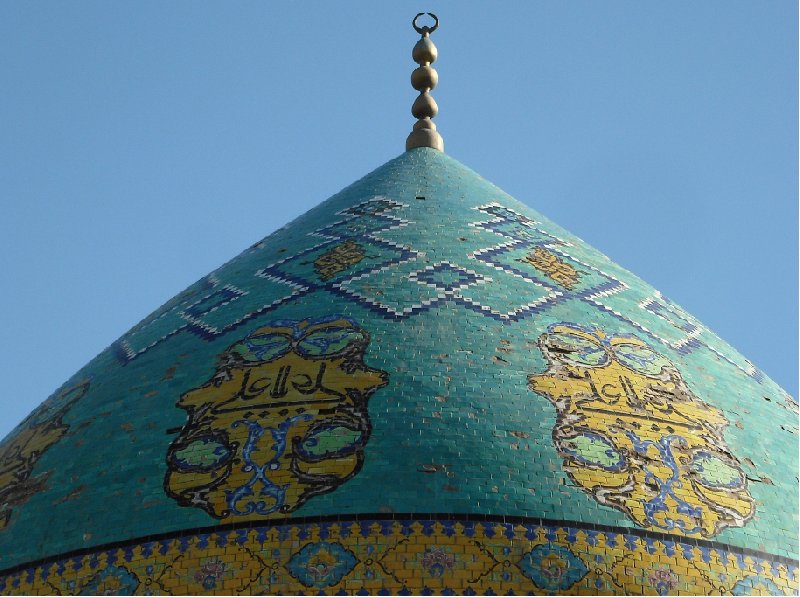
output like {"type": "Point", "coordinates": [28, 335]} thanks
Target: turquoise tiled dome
{"type": "Point", "coordinates": [419, 385]}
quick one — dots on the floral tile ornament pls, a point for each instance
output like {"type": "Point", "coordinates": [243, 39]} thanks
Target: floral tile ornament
{"type": "Point", "coordinates": [396, 556]}
{"type": "Point", "coordinates": [438, 560]}
{"type": "Point", "coordinates": [321, 564]}
{"type": "Point", "coordinates": [210, 569]}
{"type": "Point", "coordinates": [552, 567]}
{"type": "Point", "coordinates": [113, 580]}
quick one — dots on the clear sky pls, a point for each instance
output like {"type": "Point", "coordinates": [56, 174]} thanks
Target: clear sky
{"type": "Point", "coordinates": [143, 144]}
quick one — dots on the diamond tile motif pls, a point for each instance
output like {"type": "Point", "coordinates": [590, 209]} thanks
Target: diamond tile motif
{"type": "Point", "coordinates": [114, 580]}
{"type": "Point", "coordinates": [398, 292]}
{"type": "Point", "coordinates": [730, 355]}
{"type": "Point", "coordinates": [550, 267]}
{"type": "Point", "coordinates": [227, 306]}
{"type": "Point", "coordinates": [447, 277]}
{"type": "Point", "coordinates": [365, 219]}
{"type": "Point", "coordinates": [376, 205]}
{"type": "Point", "coordinates": [522, 231]}
{"type": "Point", "coordinates": [505, 214]}
{"type": "Point", "coordinates": [209, 570]}
{"type": "Point", "coordinates": [540, 258]}
{"type": "Point", "coordinates": [512, 225]}
{"type": "Point", "coordinates": [668, 323]}
{"type": "Point", "coordinates": [656, 316]}
{"type": "Point", "coordinates": [211, 302]}
{"type": "Point", "coordinates": [673, 315]}
{"type": "Point", "coordinates": [536, 273]}
{"type": "Point", "coordinates": [161, 324]}
{"type": "Point", "coordinates": [149, 333]}
{"type": "Point", "coordinates": [216, 310]}
{"type": "Point", "coordinates": [509, 298]}
{"type": "Point", "coordinates": [354, 261]}
{"type": "Point", "coordinates": [366, 225]}
{"type": "Point", "coordinates": [213, 306]}
{"type": "Point", "coordinates": [390, 291]}
{"type": "Point", "coordinates": [431, 561]}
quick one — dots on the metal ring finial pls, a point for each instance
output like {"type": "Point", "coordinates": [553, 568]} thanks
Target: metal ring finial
{"type": "Point", "coordinates": [425, 29]}
{"type": "Point", "coordinates": [424, 79]}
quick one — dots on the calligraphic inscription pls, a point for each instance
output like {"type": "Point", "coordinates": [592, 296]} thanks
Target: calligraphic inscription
{"type": "Point", "coordinates": [284, 418]}
{"type": "Point", "coordinates": [21, 450]}
{"type": "Point", "coordinates": [338, 259]}
{"type": "Point", "coordinates": [554, 267]}
{"type": "Point", "coordinates": [633, 435]}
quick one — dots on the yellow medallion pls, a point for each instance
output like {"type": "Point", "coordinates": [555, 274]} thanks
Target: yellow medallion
{"type": "Point", "coordinates": [283, 419]}
{"type": "Point", "coordinates": [23, 448]}
{"type": "Point", "coordinates": [634, 436]}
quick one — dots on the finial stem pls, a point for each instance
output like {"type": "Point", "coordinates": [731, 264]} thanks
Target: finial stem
{"type": "Point", "coordinates": [424, 79]}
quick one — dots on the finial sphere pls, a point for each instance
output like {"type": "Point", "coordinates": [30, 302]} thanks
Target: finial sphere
{"type": "Point", "coordinates": [425, 30]}
{"type": "Point", "coordinates": [424, 107]}
{"type": "Point", "coordinates": [424, 51]}
{"type": "Point", "coordinates": [424, 78]}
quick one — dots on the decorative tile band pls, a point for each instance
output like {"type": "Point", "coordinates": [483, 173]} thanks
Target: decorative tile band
{"type": "Point", "coordinates": [422, 554]}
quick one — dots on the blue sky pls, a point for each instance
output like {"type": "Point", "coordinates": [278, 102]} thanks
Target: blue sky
{"type": "Point", "coordinates": [144, 144]}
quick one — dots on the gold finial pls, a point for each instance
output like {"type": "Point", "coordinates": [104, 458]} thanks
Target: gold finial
{"type": "Point", "coordinates": [423, 79]}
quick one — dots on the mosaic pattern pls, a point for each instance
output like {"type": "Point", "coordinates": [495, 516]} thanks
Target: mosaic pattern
{"type": "Point", "coordinates": [539, 257]}
{"type": "Point", "coordinates": [284, 418]}
{"type": "Point", "coordinates": [209, 309]}
{"type": "Point", "coordinates": [20, 451]}
{"type": "Point", "coordinates": [410, 557]}
{"type": "Point", "coordinates": [554, 267]}
{"type": "Point", "coordinates": [323, 564]}
{"type": "Point", "coordinates": [354, 261]}
{"type": "Point", "coordinates": [339, 259]}
{"type": "Point", "coordinates": [634, 436]}
{"type": "Point", "coordinates": [676, 329]}
{"type": "Point", "coordinates": [403, 348]}
{"type": "Point", "coordinates": [552, 567]}
{"type": "Point", "coordinates": [214, 307]}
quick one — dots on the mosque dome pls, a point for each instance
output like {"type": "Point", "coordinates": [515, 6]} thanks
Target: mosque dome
{"type": "Point", "coordinates": [420, 386]}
